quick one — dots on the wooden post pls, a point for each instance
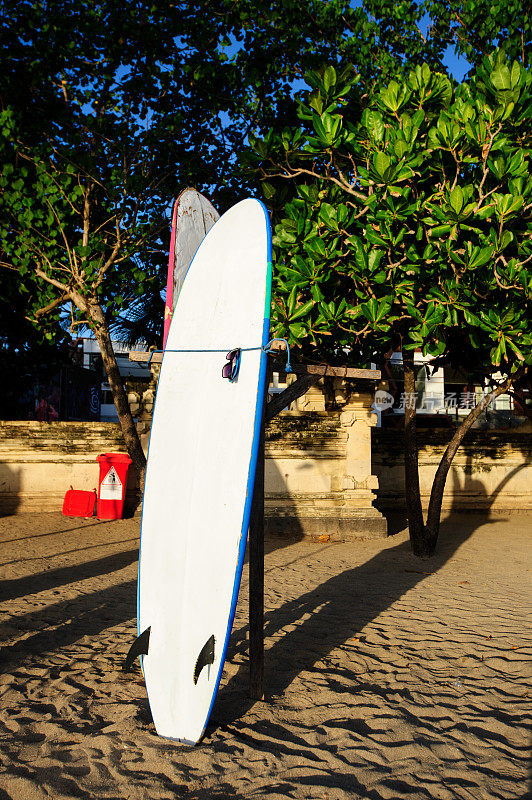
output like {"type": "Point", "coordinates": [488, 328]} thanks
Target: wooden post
{"type": "Point", "coordinates": [256, 570]}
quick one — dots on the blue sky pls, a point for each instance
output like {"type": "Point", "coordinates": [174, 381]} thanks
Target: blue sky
{"type": "Point", "coordinates": [457, 65]}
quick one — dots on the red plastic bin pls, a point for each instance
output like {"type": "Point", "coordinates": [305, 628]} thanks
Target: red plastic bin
{"type": "Point", "coordinates": [79, 503]}
{"type": "Point", "coordinates": [112, 485]}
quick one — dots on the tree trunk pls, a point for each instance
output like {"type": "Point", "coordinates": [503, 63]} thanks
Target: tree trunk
{"type": "Point", "coordinates": [129, 431]}
{"type": "Point", "coordinates": [412, 494]}
{"type": "Point", "coordinates": [438, 485]}
{"type": "Point", "coordinates": [423, 537]}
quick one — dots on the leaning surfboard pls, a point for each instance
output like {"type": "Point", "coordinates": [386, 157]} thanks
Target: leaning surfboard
{"type": "Point", "coordinates": [192, 218]}
{"type": "Point", "coordinates": [201, 468]}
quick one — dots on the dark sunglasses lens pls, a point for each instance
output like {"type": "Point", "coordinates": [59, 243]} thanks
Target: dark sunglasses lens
{"type": "Point", "coordinates": [230, 370]}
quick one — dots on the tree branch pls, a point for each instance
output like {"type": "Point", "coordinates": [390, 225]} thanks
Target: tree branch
{"type": "Point", "coordinates": [50, 307]}
{"type": "Point", "coordinates": [300, 171]}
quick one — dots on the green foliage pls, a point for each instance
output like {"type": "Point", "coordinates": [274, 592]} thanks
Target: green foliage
{"type": "Point", "coordinates": [69, 230]}
{"type": "Point", "coordinates": [476, 27]}
{"type": "Point", "coordinates": [404, 217]}
{"type": "Point", "coordinates": [126, 104]}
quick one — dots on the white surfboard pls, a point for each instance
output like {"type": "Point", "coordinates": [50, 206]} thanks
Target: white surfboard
{"type": "Point", "coordinates": [192, 218]}
{"type": "Point", "coordinates": [201, 469]}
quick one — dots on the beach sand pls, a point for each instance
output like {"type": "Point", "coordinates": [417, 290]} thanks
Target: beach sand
{"type": "Point", "coordinates": [387, 677]}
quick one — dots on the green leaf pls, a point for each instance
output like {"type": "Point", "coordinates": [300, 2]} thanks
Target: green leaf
{"type": "Point", "coordinates": [440, 230]}
{"type": "Point", "coordinates": [308, 193]}
{"type": "Point", "coordinates": [303, 310]}
{"type": "Point", "coordinates": [328, 216]}
{"type": "Point", "coordinates": [381, 162]}
{"type": "Point", "coordinates": [506, 239]}
{"type": "Point", "coordinates": [456, 199]}
{"type": "Point", "coordinates": [500, 77]}
{"type": "Point", "coordinates": [374, 124]}
{"type": "Point", "coordinates": [400, 148]}
{"type": "Point", "coordinates": [375, 310]}
{"type": "Point", "coordinates": [329, 78]}
{"type": "Point", "coordinates": [481, 256]}
{"type": "Point", "coordinates": [268, 189]}
{"type": "Point", "coordinates": [373, 237]}
{"type": "Point", "coordinates": [374, 258]}
{"type": "Point", "coordinates": [316, 101]}
{"type": "Point", "coordinates": [516, 350]}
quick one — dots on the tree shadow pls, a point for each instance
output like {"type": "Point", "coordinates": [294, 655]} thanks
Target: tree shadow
{"type": "Point", "coordinates": [10, 483]}
{"type": "Point", "coordinates": [482, 501]}
{"type": "Point", "coordinates": [282, 530]}
{"type": "Point", "coordinates": [68, 552]}
{"type": "Point", "coordinates": [301, 502]}
{"type": "Point", "coordinates": [306, 629]}
{"type": "Point", "coordinates": [133, 494]}
{"type": "Point", "coordinates": [90, 522]}
{"type": "Point", "coordinates": [60, 624]}
{"type": "Point", "coordinates": [469, 493]}
{"type": "Point", "coordinates": [31, 584]}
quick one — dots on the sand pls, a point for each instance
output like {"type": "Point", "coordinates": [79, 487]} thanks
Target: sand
{"type": "Point", "coordinates": [387, 677]}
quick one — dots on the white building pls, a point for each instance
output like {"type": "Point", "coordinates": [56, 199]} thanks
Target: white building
{"type": "Point", "coordinates": [128, 369]}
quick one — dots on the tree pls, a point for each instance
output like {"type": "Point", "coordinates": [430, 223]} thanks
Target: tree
{"type": "Point", "coordinates": [109, 109]}
{"type": "Point", "coordinates": [105, 113]}
{"type": "Point", "coordinates": [406, 218]}
{"type": "Point", "coordinates": [475, 27]}
{"type": "Point", "coordinates": [74, 228]}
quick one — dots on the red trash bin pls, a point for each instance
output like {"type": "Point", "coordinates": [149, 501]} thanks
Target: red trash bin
{"type": "Point", "coordinates": [112, 485]}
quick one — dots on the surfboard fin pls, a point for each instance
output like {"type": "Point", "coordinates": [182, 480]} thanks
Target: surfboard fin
{"type": "Point", "coordinates": [205, 657]}
{"type": "Point", "coordinates": [138, 648]}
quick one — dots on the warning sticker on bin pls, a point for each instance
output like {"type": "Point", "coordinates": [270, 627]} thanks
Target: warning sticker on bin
{"type": "Point", "coordinates": [111, 486]}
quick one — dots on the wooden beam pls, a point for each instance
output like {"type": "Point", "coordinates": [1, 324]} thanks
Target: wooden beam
{"type": "Point", "coordinates": [325, 370]}
{"type": "Point", "coordinates": [289, 395]}
{"type": "Point", "coordinates": [319, 370]}
{"type": "Point", "coordinates": [141, 357]}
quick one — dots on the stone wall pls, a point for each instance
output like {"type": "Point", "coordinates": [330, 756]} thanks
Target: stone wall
{"type": "Point", "coordinates": [325, 471]}
{"type": "Point", "coordinates": [318, 480]}
{"type": "Point", "coordinates": [492, 470]}
{"type": "Point", "coordinates": [39, 461]}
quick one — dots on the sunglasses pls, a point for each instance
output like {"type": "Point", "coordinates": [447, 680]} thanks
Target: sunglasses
{"type": "Point", "coordinates": [230, 370]}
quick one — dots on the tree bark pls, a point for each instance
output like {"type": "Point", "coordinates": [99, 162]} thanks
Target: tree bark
{"type": "Point", "coordinates": [129, 431]}
{"type": "Point", "coordinates": [423, 537]}
{"type": "Point", "coordinates": [412, 494]}
{"type": "Point", "coordinates": [438, 485]}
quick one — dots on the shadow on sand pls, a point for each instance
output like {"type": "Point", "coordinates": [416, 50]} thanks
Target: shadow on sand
{"type": "Point", "coordinates": [306, 629]}
{"type": "Point", "coordinates": [342, 606]}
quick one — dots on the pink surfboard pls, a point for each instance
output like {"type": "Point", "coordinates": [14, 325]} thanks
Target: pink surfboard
{"type": "Point", "coordinates": [192, 218]}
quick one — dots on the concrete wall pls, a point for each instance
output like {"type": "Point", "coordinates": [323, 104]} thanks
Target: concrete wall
{"type": "Point", "coordinates": [491, 470]}
{"type": "Point", "coordinates": [319, 481]}
{"type": "Point", "coordinates": [324, 470]}
{"type": "Point", "coordinates": [39, 461]}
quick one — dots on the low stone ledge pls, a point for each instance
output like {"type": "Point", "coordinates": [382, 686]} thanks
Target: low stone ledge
{"type": "Point", "coordinates": [325, 525]}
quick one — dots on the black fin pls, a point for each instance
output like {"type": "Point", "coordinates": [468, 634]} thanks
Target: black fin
{"type": "Point", "coordinates": [139, 647]}
{"type": "Point", "coordinates": [205, 657]}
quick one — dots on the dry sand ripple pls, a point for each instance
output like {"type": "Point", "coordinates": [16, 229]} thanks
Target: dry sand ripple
{"type": "Point", "coordinates": [387, 677]}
